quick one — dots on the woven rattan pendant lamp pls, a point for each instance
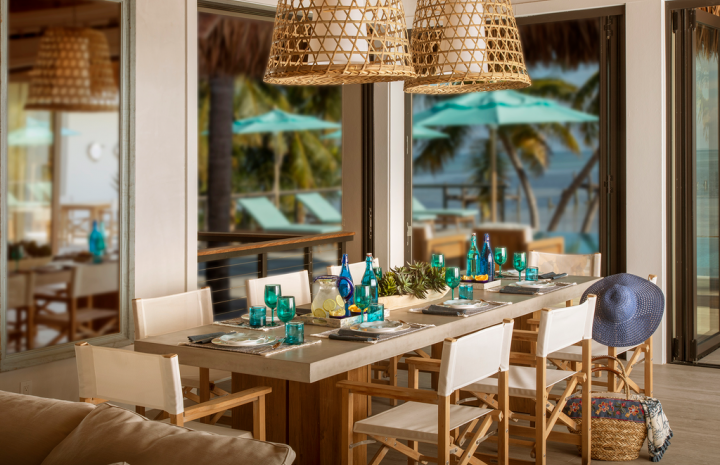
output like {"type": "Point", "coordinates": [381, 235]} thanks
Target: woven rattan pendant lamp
{"type": "Point", "coordinates": [73, 72]}
{"type": "Point", "coordinates": [329, 42]}
{"type": "Point", "coordinates": [466, 46]}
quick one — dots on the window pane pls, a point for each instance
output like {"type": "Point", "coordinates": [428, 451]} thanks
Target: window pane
{"type": "Point", "coordinates": [539, 206]}
{"type": "Point", "coordinates": [269, 156]}
{"type": "Point", "coordinates": [63, 171]}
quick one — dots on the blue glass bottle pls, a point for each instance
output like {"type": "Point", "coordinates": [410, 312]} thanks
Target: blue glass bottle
{"type": "Point", "coordinates": [473, 258]}
{"type": "Point", "coordinates": [343, 287]}
{"type": "Point", "coordinates": [96, 243]}
{"type": "Point", "coordinates": [369, 278]}
{"type": "Point", "coordinates": [487, 260]}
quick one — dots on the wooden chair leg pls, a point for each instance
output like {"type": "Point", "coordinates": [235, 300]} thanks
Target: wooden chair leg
{"type": "Point", "coordinates": [648, 368]}
{"type": "Point", "coordinates": [504, 425]}
{"type": "Point", "coordinates": [258, 418]}
{"type": "Point", "coordinates": [413, 383]}
{"type": "Point", "coordinates": [612, 382]}
{"type": "Point", "coordinates": [369, 398]}
{"type": "Point", "coordinates": [540, 411]}
{"type": "Point", "coordinates": [586, 401]}
{"type": "Point", "coordinates": [140, 410]}
{"type": "Point", "coordinates": [443, 445]}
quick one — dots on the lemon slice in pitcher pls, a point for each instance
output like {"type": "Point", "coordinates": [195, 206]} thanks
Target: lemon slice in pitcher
{"type": "Point", "coordinates": [318, 312]}
{"type": "Point", "coordinates": [340, 301]}
{"type": "Point", "coordinates": [329, 305]}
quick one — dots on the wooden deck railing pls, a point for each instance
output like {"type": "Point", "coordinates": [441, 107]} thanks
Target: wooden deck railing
{"type": "Point", "coordinates": [225, 271]}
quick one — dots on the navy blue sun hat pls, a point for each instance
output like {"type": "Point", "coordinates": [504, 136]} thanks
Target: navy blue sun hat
{"type": "Point", "coordinates": [628, 309]}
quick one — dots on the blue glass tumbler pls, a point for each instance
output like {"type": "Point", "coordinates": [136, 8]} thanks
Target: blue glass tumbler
{"type": "Point", "coordinates": [466, 291]}
{"type": "Point", "coordinates": [294, 333]}
{"type": "Point", "coordinates": [376, 312]}
{"type": "Point", "coordinates": [257, 316]}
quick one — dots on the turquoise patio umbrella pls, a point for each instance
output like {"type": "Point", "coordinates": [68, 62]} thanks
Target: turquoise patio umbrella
{"type": "Point", "coordinates": [36, 133]}
{"type": "Point", "coordinates": [276, 122]}
{"type": "Point", "coordinates": [419, 132]}
{"type": "Point", "coordinates": [504, 107]}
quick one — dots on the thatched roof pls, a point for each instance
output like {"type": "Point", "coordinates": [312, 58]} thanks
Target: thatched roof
{"type": "Point", "coordinates": [567, 43]}
{"type": "Point", "coordinates": [229, 46]}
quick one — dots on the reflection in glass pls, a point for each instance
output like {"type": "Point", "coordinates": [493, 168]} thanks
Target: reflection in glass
{"type": "Point", "coordinates": [63, 171]}
{"type": "Point", "coordinates": [706, 187]}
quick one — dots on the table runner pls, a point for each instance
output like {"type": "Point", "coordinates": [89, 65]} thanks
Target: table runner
{"type": "Point", "coordinates": [414, 327]}
{"type": "Point", "coordinates": [263, 351]}
{"type": "Point", "coordinates": [466, 313]}
{"type": "Point", "coordinates": [243, 324]}
{"type": "Point", "coordinates": [560, 285]}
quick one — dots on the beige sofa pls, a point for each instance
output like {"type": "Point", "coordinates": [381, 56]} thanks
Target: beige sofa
{"type": "Point", "coordinates": [38, 431]}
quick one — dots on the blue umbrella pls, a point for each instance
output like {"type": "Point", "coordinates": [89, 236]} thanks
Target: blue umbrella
{"type": "Point", "coordinates": [495, 109]}
{"type": "Point", "coordinates": [277, 121]}
{"type": "Point", "coordinates": [419, 132]}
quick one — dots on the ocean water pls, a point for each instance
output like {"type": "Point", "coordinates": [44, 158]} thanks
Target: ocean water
{"type": "Point", "coordinates": [547, 188]}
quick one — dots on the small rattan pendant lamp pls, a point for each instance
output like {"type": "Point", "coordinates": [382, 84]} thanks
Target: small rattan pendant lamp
{"type": "Point", "coordinates": [466, 46]}
{"type": "Point", "coordinates": [73, 72]}
{"type": "Point", "coordinates": [330, 42]}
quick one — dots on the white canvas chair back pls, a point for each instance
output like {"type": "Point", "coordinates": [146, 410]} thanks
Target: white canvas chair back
{"type": "Point", "coordinates": [572, 264]}
{"type": "Point", "coordinates": [117, 375]}
{"type": "Point", "coordinates": [20, 288]}
{"type": "Point", "coordinates": [102, 278]}
{"type": "Point", "coordinates": [563, 327]}
{"type": "Point", "coordinates": [474, 357]}
{"type": "Point", "coordinates": [357, 270]}
{"type": "Point", "coordinates": [162, 315]}
{"type": "Point", "coordinates": [291, 284]}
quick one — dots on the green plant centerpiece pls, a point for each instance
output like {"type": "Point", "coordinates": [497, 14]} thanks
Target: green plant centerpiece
{"type": "Point", "coordinates": [417, 280]}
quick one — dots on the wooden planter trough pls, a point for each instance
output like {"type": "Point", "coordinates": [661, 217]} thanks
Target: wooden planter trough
{"type": "Point", "coordinates": [401, 301]}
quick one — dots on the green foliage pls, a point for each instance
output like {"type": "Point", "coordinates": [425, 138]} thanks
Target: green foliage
{"type": "Point", "coordinates": [417, 280]}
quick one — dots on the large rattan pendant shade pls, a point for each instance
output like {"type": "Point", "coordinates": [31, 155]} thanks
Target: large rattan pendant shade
{"type": "Point", "coordinates": [329, 42]}
{"type": "Point", "coordinates": [73, 72]}
{"type": "Point", "coordinates": [466, 46]}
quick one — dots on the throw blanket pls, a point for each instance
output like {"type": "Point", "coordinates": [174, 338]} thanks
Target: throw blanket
{"type": "Point", "coordinates": [658, 428]}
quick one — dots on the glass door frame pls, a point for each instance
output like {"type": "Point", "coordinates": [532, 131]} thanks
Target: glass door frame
{"type": "Point", "coordinates": [682, 210]}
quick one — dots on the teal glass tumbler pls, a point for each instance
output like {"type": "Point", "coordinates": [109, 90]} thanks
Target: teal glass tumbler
{"type": "Point", "coordinates": [294, 333]}
{"type": "Point", "coordinates": [437, 260]}
{"type": "Point", "coordinates": [531, 273]}
{"type": "Point", "coordinates": [378, 272]}
{"type": "Point", "coordinates": [258, 314]}
{"type": "Point", "coordinates": [376, 312]}
{"type": "Point", "coordinates": [466, 291]}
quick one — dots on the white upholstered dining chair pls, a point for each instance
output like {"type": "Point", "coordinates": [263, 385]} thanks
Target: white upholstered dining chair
{"type": "Point", "coordinates": [429, 416]}
{"type": "Point", "coordinates": [167, 314]}
{"type": "Point", "coordinates": [569, 358]}
{"type": "Point", "coordinates": [294, 284]}
{"type": "Point", "coordinates": [153, 381]}
{"type": "Point", "coordinates": [559, 328]}
{"type": "Point", "coordinates": [357, 270]}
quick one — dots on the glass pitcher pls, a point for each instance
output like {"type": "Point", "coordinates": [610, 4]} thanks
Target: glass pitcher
{"type": "Point", "coordinates": [329, 301]}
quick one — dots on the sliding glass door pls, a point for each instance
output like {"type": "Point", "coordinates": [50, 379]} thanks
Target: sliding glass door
{"type": "Point", "coordinates": [697, 185]}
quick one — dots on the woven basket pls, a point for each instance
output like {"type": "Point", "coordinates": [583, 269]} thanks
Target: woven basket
{"type": "Point", "coordinates": [613, 440]}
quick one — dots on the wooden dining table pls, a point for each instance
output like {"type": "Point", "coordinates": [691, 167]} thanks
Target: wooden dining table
{"type": "Point", "coordinates": [304, 409]}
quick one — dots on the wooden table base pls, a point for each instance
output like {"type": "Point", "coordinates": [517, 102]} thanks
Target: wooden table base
{"type": "Point", "coordinates": [305, 416]}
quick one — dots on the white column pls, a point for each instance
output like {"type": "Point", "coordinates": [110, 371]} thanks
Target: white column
{"type": "Point", "coordinates": [389, 129]}
{"type": "Point", "coordinates": [165, 213]}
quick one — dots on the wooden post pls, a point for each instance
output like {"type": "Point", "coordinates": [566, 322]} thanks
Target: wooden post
{"type": "Point", "coordinates": [204, 389]}
{"type": "Point", "coordinates": [392, 374]}
{"type": "Point", "coordinates": [493, 174]}
{"type": "Point", "coordinates": [259, 418]}
{"type": "Point", "coordinates": [347, 426]}
{"type": "Point", "coordinates": [540, 410]}
{"type": "Point", "coordinates": [586, 401]}
{"type": "Point", "coordinates": [262, 265]}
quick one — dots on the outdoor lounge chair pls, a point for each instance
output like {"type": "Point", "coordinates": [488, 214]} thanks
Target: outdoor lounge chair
{"type": "Point", "coordinates": [271, 219]}
{"type": "Point", "coordinates": [446, 215]}
{"type": "Point", "coordinates": [320, 208]}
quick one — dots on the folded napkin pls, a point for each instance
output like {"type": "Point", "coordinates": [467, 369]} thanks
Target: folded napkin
{"type": "Point", "coordinates": [518, 290]}
{"type": "Point", "coordinates": [350, 332]}
{"type": "Point", "coordinates": [552, 275]}
{"type": "Point", "coordinates": [445, 311]}
{"type": "Point", "coordinates": [338, 337]}
{"type": "Point", "coordinates": [205, 338]}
